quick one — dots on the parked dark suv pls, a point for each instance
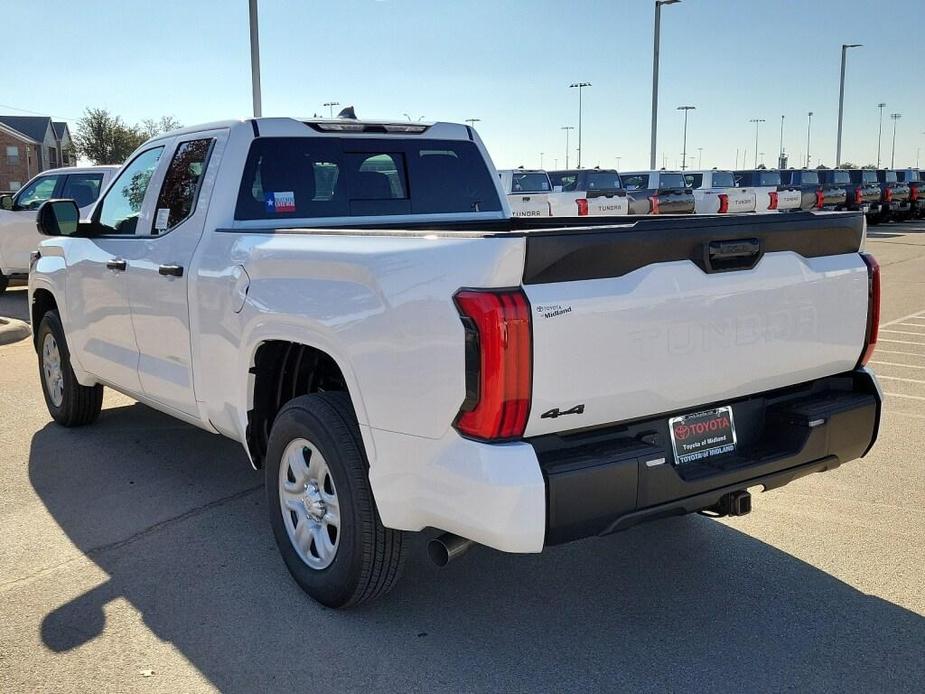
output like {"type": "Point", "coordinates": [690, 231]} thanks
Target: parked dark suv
{"type": "Point", "coordinates": [916, 182]}
{"type": "Point", "coordinates": [894, 196]}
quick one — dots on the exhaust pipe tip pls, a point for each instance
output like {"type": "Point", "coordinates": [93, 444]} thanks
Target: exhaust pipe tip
{"type": "Point", "coordinates": [444, 549]}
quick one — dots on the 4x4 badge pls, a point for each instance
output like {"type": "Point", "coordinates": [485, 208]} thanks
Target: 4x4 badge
{"type": "Point", "coordinates": [556, 412]}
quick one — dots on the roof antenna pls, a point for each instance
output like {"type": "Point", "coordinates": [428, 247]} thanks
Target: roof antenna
{"type": "Point", "coordinates": [347, 113]}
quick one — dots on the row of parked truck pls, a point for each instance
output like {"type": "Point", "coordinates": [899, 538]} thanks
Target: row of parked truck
{"type": "Point", "coordinates": [881, 194]}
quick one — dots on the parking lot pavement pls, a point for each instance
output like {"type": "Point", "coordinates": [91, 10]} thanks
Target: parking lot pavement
{"type": "Point", "coordinates": [136, 555]}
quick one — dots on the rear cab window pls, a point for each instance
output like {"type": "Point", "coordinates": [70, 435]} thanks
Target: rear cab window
{"type": "Point", "coordinates": [768, 178]}
{"type": "Point", "coordinates": [888, 176]}
{"type": "Point", "coordinates": [603, 180]}
{"type": "Point", "coordinates": [311, 177]}
{"type": "Point", "coordinates": [869, 176]}
{"type": "Point", "coordinates": [529, 183]}
{"type": "Point", "coordinates": [841, 177]}
{"type": "Point", "coordinates": [671, 180]}
{"type": "Point", "coordinates": [723, 179]}
{"type": "Point", "coordinates": [808, 178]}
{"type": "Point", "coordinates": [636, 181]}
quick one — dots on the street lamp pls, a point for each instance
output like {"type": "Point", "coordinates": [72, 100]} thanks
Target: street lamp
{"type": "Point", "coordinates": [700, 157]}
{"type": "Point", "coordinates": [880, 132]}
{"type": "Point", "coordinates": [809, 127]}
{"type": "Point", "coordinates": [658, 24]}
{"type": "Point", "coordinates": [580, 86]}
{"type": "Point", "coordinates": [618, 162]}
{"type": "Point", "coordinates": [895, 117]}
{"type": "Point", "coordinates": [684, 146]}
{"type": "Point", "coordinates": [566, 128]}
{"type": "Point", "coordinates": [332, 104]}
{"type": "Point", "coordinates": [780, 154]}
{"type": "Point", "coordinates": [757, 122]}
{"type": "Point", "coordinates": [473, 121]}
{"type": "Point", "coordinates": [255, 60]}
{"type": "Point", "coordinates": [541, 160]}
{"type": "Point", "coordinates": [841, 99]}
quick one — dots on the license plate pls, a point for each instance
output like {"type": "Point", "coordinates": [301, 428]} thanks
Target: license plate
{"type": "Point", "coordinates": [702, 435]}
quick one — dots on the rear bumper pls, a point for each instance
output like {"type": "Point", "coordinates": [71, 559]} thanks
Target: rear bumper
{"type": "Point", "coordinates": [606, 480]}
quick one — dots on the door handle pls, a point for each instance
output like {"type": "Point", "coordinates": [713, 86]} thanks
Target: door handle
{"type": "Point", "coordinates": [116, 264]}
{"type": "Point", "coordinates": [171, 270]}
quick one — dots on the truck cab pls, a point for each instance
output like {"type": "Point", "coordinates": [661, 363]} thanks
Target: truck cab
{"type": "Point", "coordinates": [715, 192]}
{"type": "Point", "coordinates": [658, 192]}
{"type": "Point", "coordinates": [587, 193]}
{"type": "Point", "coordinates": [527, 191]}
{"type": "Point", "coordinates": [18, 235]}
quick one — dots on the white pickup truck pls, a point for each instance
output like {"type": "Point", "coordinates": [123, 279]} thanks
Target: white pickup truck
{"type": "Point", "coordinates": [715, 192]}
{"type": "Point", "coordinates": [18, 235]}
{"type": "Point", "coordinates": [772, 195]}
{"type": "Point", "coordinates": [527, 191]}
{"type": "Point", "coordinates": [587, 193]}
{"type": "Point", "coordinates": [352, 302]}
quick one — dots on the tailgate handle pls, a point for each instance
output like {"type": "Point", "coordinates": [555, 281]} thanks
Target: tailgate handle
{"type": "Point", "coordinates": [735, 254]}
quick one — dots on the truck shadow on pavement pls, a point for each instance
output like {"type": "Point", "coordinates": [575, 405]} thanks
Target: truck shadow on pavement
{"type": "Point", "coordinates": [14, 303]}
{"type": "Point", "coordinates": [176, 518]}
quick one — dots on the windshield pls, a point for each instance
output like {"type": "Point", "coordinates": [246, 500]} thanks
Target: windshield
{"type": "Point", "coordinates": [529, 183]}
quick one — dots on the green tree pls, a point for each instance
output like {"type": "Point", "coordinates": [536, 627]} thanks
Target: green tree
{"type": "Point", "coordinates": [104, 138]}
{"type": "Point", "coordinates": [848, 165]}
{"type": "Point", "coordinates": [150, 127]}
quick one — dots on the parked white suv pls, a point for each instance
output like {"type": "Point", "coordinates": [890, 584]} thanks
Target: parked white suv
{"type": "Point", "coordinates": [353, 303]}
{"type": "Point", "coordinates": [18, 235]}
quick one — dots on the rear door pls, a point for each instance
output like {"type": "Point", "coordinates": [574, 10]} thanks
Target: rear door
{"type": "Point", "coordinates": [159, 269]}
{"type": "Point", "coordinates": [635, 322]}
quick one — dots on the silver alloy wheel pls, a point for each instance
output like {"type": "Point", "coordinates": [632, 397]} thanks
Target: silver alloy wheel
{"type": "Point", "coordinates": [51, 369]}
{"type": "Point", "coordinates": [308, 501]}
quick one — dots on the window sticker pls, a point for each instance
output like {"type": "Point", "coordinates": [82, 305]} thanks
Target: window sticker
{"type": "Point", "coordinates": [280, 202]}
{"type": "Point", "coordinates": [162, 220]}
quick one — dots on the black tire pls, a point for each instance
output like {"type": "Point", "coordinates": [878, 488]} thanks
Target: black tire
{"type": "Point", "coordinates": [80, 405]}
{"type": "Point", "coordinates": [369, 556]}
{"type": "Point", "coordinates": [873, 220]}
{"type": "Point", "coordinates": [4, 282]}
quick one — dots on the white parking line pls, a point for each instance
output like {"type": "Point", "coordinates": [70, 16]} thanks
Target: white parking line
{"type": "Point", "coordinates": [917, 314]}
{"type": "Point", "coordinates": [912, 325]}
{"type": "Point", "coordinates": [903, 342]}
{"type": "Point", "coordinates": [902, 332]}
{"type": "Point", "coordinates": [896, 351]}
{"type": "Point", "coordinates": [900, 395]}
{"type": "Point", "coordinates": [903, 380]}
{"type": "Point", "coordinates": [893, 363]}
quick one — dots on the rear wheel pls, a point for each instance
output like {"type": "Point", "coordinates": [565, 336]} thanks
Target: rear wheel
{"type": "Point", "coordinates": [4, 282]}
{"type": "Point", "coordinates": [69, 403]}
{"type": "Point", "coordinates": [321, 506]}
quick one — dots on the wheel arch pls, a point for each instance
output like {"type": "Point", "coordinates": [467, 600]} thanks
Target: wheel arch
{"type": "Point", "coordinates": [43, 301]}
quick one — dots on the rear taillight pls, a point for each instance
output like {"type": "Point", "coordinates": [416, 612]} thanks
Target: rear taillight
{"type": "Point", "coordinates": [499, 364]}
{"type": "Point", "coordinates": [913, 193]}
{"type": "Point", "coordinates": [773, 204]}
{"type": "Point", "coordinates": [820, 199]}
{"type": "Point", "coordinates": [873, 307]}
{"type": "Point", "coordinates": [654, 205]}
{"type": "Point", "coordinates": [723, 203]}
{"type": "Point", "coordinates": [888, 195]}
{"type": "Point", "coordinates": [858, 196]}
{"type": "Point", "coordinates": [582, 207]}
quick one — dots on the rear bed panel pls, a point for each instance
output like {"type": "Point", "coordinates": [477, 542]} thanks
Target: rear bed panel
{"type": "Point", "coordinates": [668, 336]}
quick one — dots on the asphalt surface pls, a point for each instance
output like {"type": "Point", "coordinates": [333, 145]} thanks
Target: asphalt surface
{"type": "Point", "coordinates": [135, 555]}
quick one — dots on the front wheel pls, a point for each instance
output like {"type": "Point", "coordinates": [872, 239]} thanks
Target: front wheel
{"type": "Point", "coordinates": [321, 506]}
{"type": "Point", "coordinates": [69, 403]}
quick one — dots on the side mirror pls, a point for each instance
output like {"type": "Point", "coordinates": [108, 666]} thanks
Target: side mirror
{"type": "Point", "coordinates": [58, 218]}
{"type": "Point", "coordinates": [6, 202]}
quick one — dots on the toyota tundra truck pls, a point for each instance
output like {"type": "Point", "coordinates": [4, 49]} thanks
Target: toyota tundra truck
{"type": "Point", "coordinates": [354, 304]}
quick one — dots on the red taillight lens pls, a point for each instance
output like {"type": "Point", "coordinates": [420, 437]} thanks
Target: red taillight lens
{"type": "Point", "coordinates": [723, 203]}
{"type": "Point", "coordinates": [499, 364]}
{"type": "Point", "coordinates": [773, 204]}
{"type": "Point", "coordinates": [873, 307]}
{"type": "Point", "coordinates": [888, 195]}
{"type": "Point", "coordinates": [858, 196]}
{"type": "Point", "coordinates": [913, 193]}
{"type": "Point", "coordinates": [654, 205]}
{"type": "Point", "coordinates": [820, 199]}
{"type": "Point", "coordinates": [582, 207]}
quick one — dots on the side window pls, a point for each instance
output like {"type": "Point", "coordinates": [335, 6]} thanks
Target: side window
{"type": "Point", "coordinates": [120, 208]}
{"type": "Point", "coordinates": [180, 190]}
{"type": "Point", "coordinates": [569, 181]}
{"type": "Point", "coordinates": [693, 180]}
{"type": "Point", "coordinates": [37, 192]}
{"type": "Point", "coordinates": [83, 189]}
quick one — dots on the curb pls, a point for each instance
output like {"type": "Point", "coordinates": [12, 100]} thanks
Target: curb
{"type": "Point", "coordinates": [12, 330]}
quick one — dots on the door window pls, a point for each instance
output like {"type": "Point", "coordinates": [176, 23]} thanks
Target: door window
{"type": "Point", "coordinates": [180, 190]}
{"type": "Point", "coordinates": [37, 192]}
{"type": "Point", "coordinates": [118, 213]}
{"type": "Point", "coordinates": [636, 181]}
{"type": "Point", "coordinates": [83, 189]}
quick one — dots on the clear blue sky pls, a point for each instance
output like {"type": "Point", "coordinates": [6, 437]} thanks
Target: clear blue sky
{"type": "Point", "coordinates": [506, 62]}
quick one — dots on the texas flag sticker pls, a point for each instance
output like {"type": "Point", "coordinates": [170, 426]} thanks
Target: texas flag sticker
{"type": "Point", "coordinates": [280, 202]}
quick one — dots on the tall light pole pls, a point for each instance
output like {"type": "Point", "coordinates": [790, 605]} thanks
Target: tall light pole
{"type": "Point", "coordinates": [895, 117]}
{"type": "Point", "coordinates": [841, 99]}
{"type": "Point", "coordinates": [566, 128]}
{"type": "Point", "coordinates": [757, 122]}
{"type": "Point", "coordinates": [700, 157]}
{"type": "Point", "coordinates": [580, 86]}
{"type": "Point", "coordinates": [684, 146]}
{"type": "Point", "coordinates": [618, 162]}
{"type": "Point", "coordinates": [473, 121]}
{"type": "Point", "coordinates": [541, 160]}
{"type": "Point", "coordinates": [255, 61]}
{"type": "Point", "coordinates": [780, 154]}
{"type": "Point", "coordinates": [332, 104]}
{"type": "Point", "coordinates": [880, 132]}
{"type": "Point", "coordinates": [809, 127]}
{"type": "Point", "coordinates": [658, 25]}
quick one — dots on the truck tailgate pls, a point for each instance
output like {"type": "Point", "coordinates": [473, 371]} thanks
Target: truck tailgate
{"type": "Point", "coordinates": [668, 315]}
